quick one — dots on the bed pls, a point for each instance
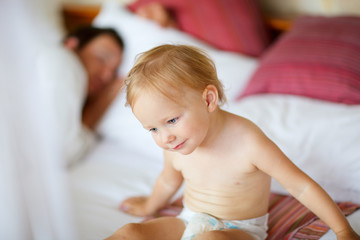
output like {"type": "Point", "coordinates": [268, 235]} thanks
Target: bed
{"type": "Point", "coordinates": [318, 129]}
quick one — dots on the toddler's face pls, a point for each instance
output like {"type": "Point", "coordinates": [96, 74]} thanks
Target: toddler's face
{"type": "Point", "coordinates": [174, 126]}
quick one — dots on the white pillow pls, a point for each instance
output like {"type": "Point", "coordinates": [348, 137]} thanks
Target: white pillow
{"type": "Point", "coordinates": [140, 35]}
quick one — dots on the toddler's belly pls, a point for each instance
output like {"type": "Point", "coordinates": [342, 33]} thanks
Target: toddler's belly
{"type": "Point", "coordinates": [227, 205]}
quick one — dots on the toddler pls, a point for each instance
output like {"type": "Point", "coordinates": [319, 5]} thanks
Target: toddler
{"type": "Point", "coordinates": [225, 161]}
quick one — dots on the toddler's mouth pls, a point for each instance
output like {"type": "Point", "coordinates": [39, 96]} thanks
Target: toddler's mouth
{"type": "Point", "coordinates": [177, 147]}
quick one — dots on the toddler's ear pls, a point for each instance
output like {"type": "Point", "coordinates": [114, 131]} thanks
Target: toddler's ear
{"type": "Point", "coordinates": [210, 95]}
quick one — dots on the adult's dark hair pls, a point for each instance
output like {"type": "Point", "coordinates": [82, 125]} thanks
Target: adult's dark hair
{"type": "Point", "coordinates": [87, 33]}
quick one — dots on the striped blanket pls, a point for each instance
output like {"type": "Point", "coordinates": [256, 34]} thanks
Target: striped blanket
{"type": "Point", "coordinates": [288, 218]}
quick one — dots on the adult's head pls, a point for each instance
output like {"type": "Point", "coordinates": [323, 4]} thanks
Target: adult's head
{"type": "Point", "coordinates": [100, 50]}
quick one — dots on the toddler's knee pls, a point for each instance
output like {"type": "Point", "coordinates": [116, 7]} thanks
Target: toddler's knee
{"type": "Point", "coordinates": [213, 235]}
{"type": "Point", "coordinates": [129, 231]}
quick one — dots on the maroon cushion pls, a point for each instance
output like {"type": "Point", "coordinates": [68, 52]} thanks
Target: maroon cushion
{"type": "Point", "coordinates": [318, 58]}
{"type": "Point", "coordinates": [233, 25]}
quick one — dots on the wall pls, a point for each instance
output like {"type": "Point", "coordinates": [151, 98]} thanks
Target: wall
{"type": "Point", "coordinates": [292, 8]}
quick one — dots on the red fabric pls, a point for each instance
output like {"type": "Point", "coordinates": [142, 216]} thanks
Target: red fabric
{"type": "Point", "coordinates": [315, 228]}
{"type": "Point", "coordinates": [318, 58]}
{"type": "Point", "coordinates": [288, 218]}
{"type": "Point", "coordinates": [233, 25]}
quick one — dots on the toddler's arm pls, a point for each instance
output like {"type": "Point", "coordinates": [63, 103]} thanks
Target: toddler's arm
{"type": "Point", "coordinates": [165, 187]}
{"type": "Point", "coordinates": [274, 162]}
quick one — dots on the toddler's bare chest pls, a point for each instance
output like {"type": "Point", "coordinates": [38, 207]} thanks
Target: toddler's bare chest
{"type": "Point", "coordinates": [216, 173]}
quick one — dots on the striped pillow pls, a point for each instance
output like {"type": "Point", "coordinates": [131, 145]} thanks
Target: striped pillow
{"type": "Point", "coordinates": [288, 218]}
{"type": "Point", "coordinates": [233, 25]}
{"type": "Point", "coordinates": [318, 58]}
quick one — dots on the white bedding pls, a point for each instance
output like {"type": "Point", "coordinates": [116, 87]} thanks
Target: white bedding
{"type": "Point", "coordinates": [320, 137]}
{"type": "Point", "coordinates": [110, 174]}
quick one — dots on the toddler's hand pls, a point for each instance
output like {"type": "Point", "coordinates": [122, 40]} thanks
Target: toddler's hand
{"type": "Point", "coordinates": [135, 206]}
{"type": "Point", "coordinates": [347, 235]}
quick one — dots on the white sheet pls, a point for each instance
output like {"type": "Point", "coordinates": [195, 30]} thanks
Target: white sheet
{"type": "Point", "coordinates": [110, 174]}
{"type": "Point", "coordinates": [322, 138]}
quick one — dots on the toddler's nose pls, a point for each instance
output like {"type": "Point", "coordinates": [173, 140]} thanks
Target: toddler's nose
{"type": "Point", "coordinates": [168, 138]}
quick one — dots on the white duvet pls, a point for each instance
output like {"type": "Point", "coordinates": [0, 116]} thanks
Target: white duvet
{"type": "Point", "coordinates": [321, 138]}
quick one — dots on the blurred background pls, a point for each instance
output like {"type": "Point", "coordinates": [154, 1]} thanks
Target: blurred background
{"type": "Point", "coordinates": [34, 201]}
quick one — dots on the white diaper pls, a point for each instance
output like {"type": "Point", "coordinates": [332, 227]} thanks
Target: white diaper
{"type": "Point", "coordinates": [197, 223]}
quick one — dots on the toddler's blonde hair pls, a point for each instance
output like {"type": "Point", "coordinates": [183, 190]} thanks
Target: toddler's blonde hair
{"type": "Point", "coordinates": [168, 68]}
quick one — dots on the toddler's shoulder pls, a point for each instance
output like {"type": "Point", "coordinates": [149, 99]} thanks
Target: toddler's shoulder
{"type": "Point", "coordinates": [239, 123]}
{"type": "Point", "coordinates": [244, 130]}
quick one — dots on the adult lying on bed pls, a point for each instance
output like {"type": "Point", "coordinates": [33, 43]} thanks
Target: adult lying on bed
{"type": "Point", "coordinates": [82, 77]}
{"type": "Point", "coordinates": [100, 52]}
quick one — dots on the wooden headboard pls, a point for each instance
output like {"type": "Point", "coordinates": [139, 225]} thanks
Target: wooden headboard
{"type": "Point", "coordinates": [77, 15]}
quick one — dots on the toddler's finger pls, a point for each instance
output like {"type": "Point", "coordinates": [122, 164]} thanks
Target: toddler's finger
{"type": "Point", "coordinates": [124, 207]}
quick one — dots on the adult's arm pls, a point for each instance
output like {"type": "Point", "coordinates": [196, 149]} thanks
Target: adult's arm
{"type": "Point", "coordinates": [155, 11]}
{"type": "Point", "coordinates": [96, 106]}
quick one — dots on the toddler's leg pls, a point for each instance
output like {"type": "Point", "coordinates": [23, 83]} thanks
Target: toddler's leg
{"type": "Point", "coordinates": [164, 228]}
{"type": "Point", "coordinates": [228, 234]}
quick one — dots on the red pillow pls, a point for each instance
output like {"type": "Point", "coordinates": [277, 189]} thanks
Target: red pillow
{"type": "Point", "coordinates": [318, 58]}
{"type": "Point", "coordinates": [233, 25]}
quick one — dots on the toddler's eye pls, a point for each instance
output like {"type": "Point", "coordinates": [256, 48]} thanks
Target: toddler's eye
{"type": "Point", "coordinates": [153, 130]}
{"type": "Point", "coordinates": [172, 121]}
